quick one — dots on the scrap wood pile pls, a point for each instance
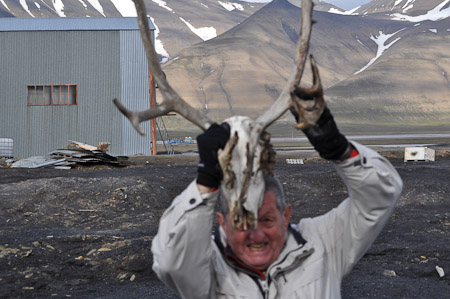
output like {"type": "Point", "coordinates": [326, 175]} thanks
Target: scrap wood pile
{"type": "Point", "coordinates": [76, 153]}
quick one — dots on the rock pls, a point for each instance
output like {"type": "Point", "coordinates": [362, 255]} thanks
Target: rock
{"type": "Point", "coordinates": [103, 249]}
{"type": "Point", "coordinates": [440, 271]}
{"type": "Point", "coordinates": [50, 247]}
{"type": "Point", "coordinates": [390, 273]}
{"type": "Point", "coordinates": [119, 244]}
{"type": "Point", "coordinates": [122, 276]}
{"type": "Point", "coordinates": [28, 253]}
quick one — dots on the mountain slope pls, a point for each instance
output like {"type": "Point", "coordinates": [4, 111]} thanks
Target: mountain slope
{"type": "Point", "coordinates": [182, 24]}
{"type": "Point", "coordinates": [5, 14]}
{"type": "Point", "coordinates": [406, 7]}
{"type": "Point", "coordinates": [256, 57]}
{"type": "Point", "coordinates": [409, 83]}
{"type": "Point", "coordinates": [373, 68]}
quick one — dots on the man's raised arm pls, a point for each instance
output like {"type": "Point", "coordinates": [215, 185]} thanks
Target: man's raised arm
{"type": "Point", "coordinates": [373, 186]}
{"type": "Point", "coordinates": [182, 248]}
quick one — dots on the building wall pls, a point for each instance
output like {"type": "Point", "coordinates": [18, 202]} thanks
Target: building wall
{"type": "Point", "coordinates": [135, 94]}
{"type": "Point", "coordinates": [94, 61]}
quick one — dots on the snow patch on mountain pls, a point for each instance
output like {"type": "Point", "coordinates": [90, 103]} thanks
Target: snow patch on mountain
{"type": "Point", "coordinates": [25, 7]}
{"type": "Point", "coordinates": [231, 6]}
{"type": "Point", "coordinates": [59, 7]}
{"type": "Point", "coordinates": [380, 40]}
{"type": "Point", "coordinates": [4, 4]}
{"type": "Point", "coordinates": [97, 6]}
{"type": "Point", "coordinates": [83, 3]}
{"type": "Point", "coordinates": [436, 14]}
{"type": "Point", "coordinates": [205, 33]}
{"type": "Point", "coordinates": [125, 7]}
{"type": "Point", "coordinates": [340, 12]}
{"type": "Point", "coordinates": [159, 46]}
{"type": "Point", "coordinates": [163, 4]}
{"type": "Point", "coordinates": [408, 5]}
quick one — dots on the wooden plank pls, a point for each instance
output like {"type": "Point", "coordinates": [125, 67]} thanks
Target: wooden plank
{"type": "Point", "coordinates": [83, 145]}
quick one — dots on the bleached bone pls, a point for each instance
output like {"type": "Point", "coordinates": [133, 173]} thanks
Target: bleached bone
{"type": "Point", "coordinates": [244, 169]}
{"type": "Point", "coordinates": [248, 154]}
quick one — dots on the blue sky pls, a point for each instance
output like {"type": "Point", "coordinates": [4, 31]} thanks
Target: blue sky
{"type": "Point", "coordinates": [345, 4]}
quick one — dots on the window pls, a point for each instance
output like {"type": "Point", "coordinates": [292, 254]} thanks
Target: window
{"type": "Point", "coordinates": [51, 95]}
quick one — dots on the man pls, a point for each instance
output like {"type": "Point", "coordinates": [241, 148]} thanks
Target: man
{"type": "Point", "coordinates": [276, 259]}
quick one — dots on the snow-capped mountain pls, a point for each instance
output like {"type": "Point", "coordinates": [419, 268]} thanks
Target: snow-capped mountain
{"type": "Point", "coordinates": [179, 23]}
{"type": "Point", "coordinates": [397, 8]}
{"type": "Point", "coordinates": [374, 70]}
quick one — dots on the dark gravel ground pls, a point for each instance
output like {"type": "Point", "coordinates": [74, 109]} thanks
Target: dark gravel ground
{"type": "Point", "coordinates": [87, 232]}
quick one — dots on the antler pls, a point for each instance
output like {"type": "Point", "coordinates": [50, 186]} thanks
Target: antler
{"type": "Point", "coordinates": [283, 101]}
{"type": "Point", "coordinates": [172, 101]}
{"type": "Point", "coordinates": [257, 158]}
{"type": "Point", "coordinates": [248, 153]}
{"type": "Point", "coordinates": [309, 102]}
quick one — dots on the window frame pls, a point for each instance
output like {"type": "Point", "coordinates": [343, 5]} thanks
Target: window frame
{"type": "Point", "coordinates": [57, 102]}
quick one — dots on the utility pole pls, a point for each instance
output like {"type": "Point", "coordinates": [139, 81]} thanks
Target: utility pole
{"type": "Point", "coordinates": [152, 104]}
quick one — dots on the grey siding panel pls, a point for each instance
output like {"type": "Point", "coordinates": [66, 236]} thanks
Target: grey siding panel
{"type": "Point", "coordinates": [11, 113]}
{"type": "Point", "coordinates": [49, 127]}
{"type": "Point", "coordinates": [135, 91]}
{"type": "Point", "coordinates": [101, 70]}
{"type": "Point", "coordinates": [89, 59]}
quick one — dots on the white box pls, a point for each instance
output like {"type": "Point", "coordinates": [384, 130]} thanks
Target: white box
{"type": "Point", "coordinates": [6, 147]}
{"type": "Point", "coordinates": [419, 153]}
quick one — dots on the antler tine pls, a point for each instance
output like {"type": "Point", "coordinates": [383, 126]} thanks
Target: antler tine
{"type": "Point", "coordinates": [280, 106]}
{"type": "Point", "coordinates": [172, 101]}
{"type": "Point", "coordinates": [309, 102]}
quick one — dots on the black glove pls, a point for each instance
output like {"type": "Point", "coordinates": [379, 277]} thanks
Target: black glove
{"type": "Point", "coordinates": [325, 136]}
{"type": "Point", "coordinates": [209, 173]}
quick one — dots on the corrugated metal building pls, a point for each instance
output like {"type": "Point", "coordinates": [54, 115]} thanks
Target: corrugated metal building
{"type": "Point", "coordinates": [58, 79]}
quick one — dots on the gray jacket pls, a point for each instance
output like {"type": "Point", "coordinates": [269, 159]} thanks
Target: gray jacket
{"type": "Point", "coordinates": [318, 251]}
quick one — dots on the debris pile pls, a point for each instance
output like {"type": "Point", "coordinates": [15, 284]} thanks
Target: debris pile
{"type": "Point", "coordinates": [73, 154]}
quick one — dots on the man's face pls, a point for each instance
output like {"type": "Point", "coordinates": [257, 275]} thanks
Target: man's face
{"type": "Point", "coordinates": [260, 247]}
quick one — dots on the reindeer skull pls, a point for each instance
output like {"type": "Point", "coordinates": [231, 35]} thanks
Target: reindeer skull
{"type": "Point", "coordinates": [244, 164]}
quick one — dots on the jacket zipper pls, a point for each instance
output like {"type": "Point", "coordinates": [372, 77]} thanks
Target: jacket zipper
{"type": "Point", "coordinates": [265, 288]}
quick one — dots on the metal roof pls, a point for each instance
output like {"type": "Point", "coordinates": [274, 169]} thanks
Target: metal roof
{"type": "Point", "coordinates": [70, 24]}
